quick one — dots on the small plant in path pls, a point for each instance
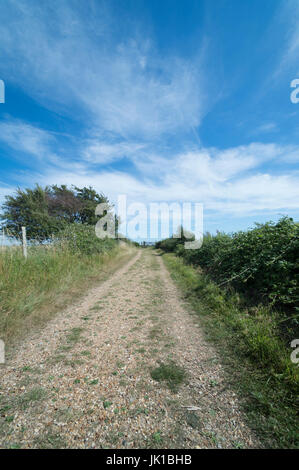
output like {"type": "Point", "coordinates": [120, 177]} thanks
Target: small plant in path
{"type": "Point", "coordinates": [171, 373]}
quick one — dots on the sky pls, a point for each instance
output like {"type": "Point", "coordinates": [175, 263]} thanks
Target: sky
{"type": "Point", "coordinates": [158, 100]}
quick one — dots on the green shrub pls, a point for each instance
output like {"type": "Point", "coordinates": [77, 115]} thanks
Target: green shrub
{"type": "Point", "coordinates": [261, 263]}
{"type": "Point", "coordinates": [252, 351]}
{"type": "Point", "coordinates": [82, 239]}
{"type": "Point", "coordinates": [169, 244]}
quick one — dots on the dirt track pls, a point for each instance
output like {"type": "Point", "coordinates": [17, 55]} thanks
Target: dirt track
{"type": "Point", "coordinates": [84, 381]}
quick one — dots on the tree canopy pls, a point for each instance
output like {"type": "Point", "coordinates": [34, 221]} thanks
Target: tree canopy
{"type": "Point", "coordinates": [46, 211]}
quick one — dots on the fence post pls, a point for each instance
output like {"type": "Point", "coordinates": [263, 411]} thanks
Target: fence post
{"type": "Point", "coordinates": [24, 242]}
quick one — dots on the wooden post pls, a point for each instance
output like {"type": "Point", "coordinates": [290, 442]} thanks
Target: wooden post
{"type": "Point", "coordinates": [2, 352]}
{"type": "Point", "coordinates": [24, 242]}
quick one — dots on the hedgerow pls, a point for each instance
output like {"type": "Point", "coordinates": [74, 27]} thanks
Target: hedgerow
{"type": "Point", "coordinates": [82, 239]}
{"type": "Point", "coordinates": [261, 262]}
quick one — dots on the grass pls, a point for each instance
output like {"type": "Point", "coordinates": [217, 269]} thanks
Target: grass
{"type": "Point", "coordinates": [35, 394]}
{"type": "Point", "coordinates": [94, 382]}
{"type": "Point", "coordinates": [33, 290]}
{"type": "Point", "coordinates": [74, 336]}
{"type": "Point", "coordinates": [193, 420]}
{"type": "Point", "coordinates": [22, 402]}
{"type": "Point", "coordinates": [256, 359]}
{"type": "Point", "coordinates": [171, 373]}
{"type": "Point", "coordinates": [155, 440]}
{"type": "Point", "coordinates": [107, 404]}
{"type": "Point", "coordinates": [86, 353]}
{"type": "Point", "coordinates": [155, 332]}
{"type": "Point", "coordinates": [49, 441]}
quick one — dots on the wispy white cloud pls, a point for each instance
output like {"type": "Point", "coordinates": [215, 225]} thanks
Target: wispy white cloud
{"type": "Point", "coordinates": [292, 51]}
{"type": "Point", "coordinates": [98, 152]}
{"type": "Point", "coordinates": [227, 182]}
{"type": "Point", "coordinates": [5, 189]}
{"type": "Point", "coordinates": [124, 87]}
{"type": "Point", "coordinates": [288, 16]}
{"type": "Point", "coordinates": [127, 96]}
{"type": "Point", "coordinates": [232, 181]}
{"type": "Point", "coordinates": [26, 138]}
{"type": "Point", "coordinates": [211, 165]}
{"type": "Point", "coordinates": [266, 127]}
{"type": "Point", "coordinates": [37, 148]}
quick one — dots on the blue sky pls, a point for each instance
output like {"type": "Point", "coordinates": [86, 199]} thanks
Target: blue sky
{"type": "Point", "coordinates": [162, 100]}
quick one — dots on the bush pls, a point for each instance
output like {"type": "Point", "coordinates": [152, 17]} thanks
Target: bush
{"type": "Point", "coordinates": [82, 239]}
{"type": "Point", "coordinates": [174, 243]}
{"type": "Point", "coordinates": [252, 351]}
{"type": "Point", "coordinates": [261, 263]}
{"type": "Point", "coordinates": [169, 244]}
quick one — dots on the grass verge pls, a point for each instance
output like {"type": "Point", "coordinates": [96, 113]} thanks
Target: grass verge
{"type": "Point", "coordinates": [33, 290]}
{"type": "Point", "coordinates": [256, 360]}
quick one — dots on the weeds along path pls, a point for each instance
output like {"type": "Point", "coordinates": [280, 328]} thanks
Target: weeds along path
{"type": "Point", "coordinates": [127, 367]}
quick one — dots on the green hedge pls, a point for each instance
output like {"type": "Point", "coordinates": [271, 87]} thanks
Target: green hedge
{"type": "Point", "coordinates": [82, 239]}
{"type": "Point", "coordinates": [261, 263]}
{"type": "Point", "coordinates": [252, 351]}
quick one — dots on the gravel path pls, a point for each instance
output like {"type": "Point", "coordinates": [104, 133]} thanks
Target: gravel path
{"type": "Point", "coordinates": [84, 381]}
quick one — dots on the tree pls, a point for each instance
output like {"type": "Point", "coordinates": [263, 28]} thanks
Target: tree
{"type": "Point", "coordinates": [46, 211]}
{"type": "Point", "coordinates": [63, 203]}
{"type": "Point", "coordinates": [30, 207]}
{"type": "Point", "coordinates": [89, 199]}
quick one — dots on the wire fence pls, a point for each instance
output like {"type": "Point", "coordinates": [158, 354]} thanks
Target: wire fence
{"type": "Point", "coordinates": [7, 239]}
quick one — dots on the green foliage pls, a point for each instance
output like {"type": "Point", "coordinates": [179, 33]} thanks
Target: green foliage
{"type": "Point", "coordinates": [32, 289]}
{"type": "Point", "coordinates": [30, 208]}
{"type": "Point", "coordinates": [249, 343]}
{"type": "Point", "coordinates": [261, 263]}
{"type": "Point", "coordinates": [46, 211]}
{"type": "Point", "coordinates": [129, 242]}
{"type": "Point", "coordinates": [169, 244]}
{"type": "Point", "coordinates": [175, 242]}
{"type": "Point", "coordinates": [82, 239]}
{"type": "Point", "coordinates": [89, 199]}
{"type": "Point", "coordinates": [171, 373]}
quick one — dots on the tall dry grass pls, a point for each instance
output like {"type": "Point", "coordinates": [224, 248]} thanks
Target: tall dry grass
{"type": "Point", "coordinates": [33, 290]}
